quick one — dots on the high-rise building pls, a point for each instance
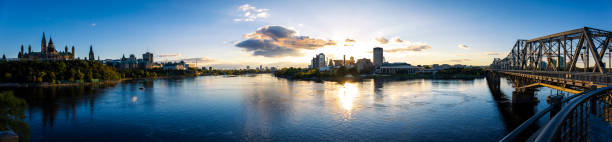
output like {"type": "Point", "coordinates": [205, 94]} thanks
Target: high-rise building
{"type": "Point", "coordinates": [318, 61]}
{"type": "Point", "coordinates": [321, 60]}
{"type": "Point", "coordinates": [147, 57]}
{"type": "Point", "coordinates": [378, 57]}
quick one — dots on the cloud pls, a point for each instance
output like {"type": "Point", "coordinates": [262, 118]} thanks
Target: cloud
{"type": "Point", "coordinates": [413, 47]}
{"type": "Point", "coordinates": [382, 40]}
{"type": "Point", "coordinates": [93, 24]}
{"type": "Point", "coordinates": [491, 53]}
{"type": "Point", "coordinates": [250, 13]}
{"type": "Point", "coordinates": [463, 46]}
{"type": "Point", "coordinates": [199, 60]}
{"type": "Point", "coordinates": [278, 41]}
{"type": "Point", "coordinates": [169, 55]}
{"type": "Point", "coordinates": [349, 42]}
{"type": "Point", "coordinates": [459, 60]}
{"type": "Point", "coordinates": [398, 40]}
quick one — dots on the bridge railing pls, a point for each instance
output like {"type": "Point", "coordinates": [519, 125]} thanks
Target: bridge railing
{"type": "Point", "coordinates": [596, 78]}
{"type": "Point", "coordinates": [572, 122]}
{"type": "Point", "coordinates": [521, 129]}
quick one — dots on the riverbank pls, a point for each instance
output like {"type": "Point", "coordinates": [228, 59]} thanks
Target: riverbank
{"type": "Point", "coordinates": [45, 84]}
{"type": "Point", "coordinates": [313, 75]}
{"type": "Point", "coordinates": [425, 76]}
{"type": "Point", "coordinates": [108, 82]}
{"type": "Point", "coordinates": [387, 77]}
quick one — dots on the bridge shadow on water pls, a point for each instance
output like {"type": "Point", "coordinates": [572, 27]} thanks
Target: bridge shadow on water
{"type": "Point", "coordinates": [514, 109]}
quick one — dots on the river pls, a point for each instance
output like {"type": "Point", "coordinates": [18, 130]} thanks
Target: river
{"type": "Point", "coordinates": [266, 108]}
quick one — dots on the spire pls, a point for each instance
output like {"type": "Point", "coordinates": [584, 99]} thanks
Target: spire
{"type": "Point", "coordinates": [91, 54]}
{"type": "Point", "coordinates": [51, 46]}
{"type": "Point", "coordinates": [20, 52]}
{"type": "Point", "coordinates": [29, 49]}
{"type": "Point", "coordinates": [43, 44]}
{"type": "Point", "coordinates": [73, 51]}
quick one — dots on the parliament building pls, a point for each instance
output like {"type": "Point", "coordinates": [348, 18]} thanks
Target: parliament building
{"type": "Point", "coordinates": [48, 52]}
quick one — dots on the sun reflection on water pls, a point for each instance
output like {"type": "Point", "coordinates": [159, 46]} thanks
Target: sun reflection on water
{"type": "Point", "coordinates": [134, 99]}
{"type": "Point", "coordinates": [347, 95]}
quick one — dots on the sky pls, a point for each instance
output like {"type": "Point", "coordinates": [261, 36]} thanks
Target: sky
{"type": "Point", "coordinates": [236, 33]}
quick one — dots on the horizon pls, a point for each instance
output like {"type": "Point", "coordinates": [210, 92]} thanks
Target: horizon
{"type": "Point", "coordinates": [239, 33]}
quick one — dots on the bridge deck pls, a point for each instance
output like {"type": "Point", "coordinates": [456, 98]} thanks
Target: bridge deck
{"type": "Point", "coordinates": [578, 79]}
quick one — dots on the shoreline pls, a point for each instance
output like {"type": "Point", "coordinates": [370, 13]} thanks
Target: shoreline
{"type": "Point", "coordinates": [27, 85]}
{"type": "Point", "coordinates": [385, 77]}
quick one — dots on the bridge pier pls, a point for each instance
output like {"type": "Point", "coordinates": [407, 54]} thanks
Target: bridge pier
{"type": "Point", "coordinates": [556, 101]}
{"type": "Point", "coordinates": [523, 96]}
{"type": "Point", "coordinates": [493, 81]}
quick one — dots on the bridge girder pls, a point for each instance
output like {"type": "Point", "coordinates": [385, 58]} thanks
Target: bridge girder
{"type": "Point", "coordinates": [560, 52]}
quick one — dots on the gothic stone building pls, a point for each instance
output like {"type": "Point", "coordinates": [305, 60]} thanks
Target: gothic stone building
{"type": "Point", "coordinates": [47, 52]}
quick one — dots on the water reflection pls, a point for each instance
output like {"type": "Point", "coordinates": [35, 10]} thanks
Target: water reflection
{"type": "Point", "coordinates": [265, 108]}
{"type": "Point", "coordinates": [346, 94]}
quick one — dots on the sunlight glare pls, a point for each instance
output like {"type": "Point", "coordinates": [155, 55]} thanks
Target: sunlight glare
{"type": "Point", "coordinates": [347, 94]}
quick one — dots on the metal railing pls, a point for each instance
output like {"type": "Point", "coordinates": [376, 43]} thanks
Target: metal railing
{"type": "Point", "coordinates": [572, 121]}
{"type": "Point", "coordinates": [529, 122]}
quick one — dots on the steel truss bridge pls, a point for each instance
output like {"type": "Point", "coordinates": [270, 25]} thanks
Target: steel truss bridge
{"type": "Point", "coordinates": [571, 61]}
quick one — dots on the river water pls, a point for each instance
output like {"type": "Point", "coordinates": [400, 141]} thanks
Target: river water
{"type": "Point", "coordinates": [265, 108]}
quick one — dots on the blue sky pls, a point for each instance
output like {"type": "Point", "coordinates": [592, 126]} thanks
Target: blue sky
{"type": "Point", "coordinates": [431, 31]}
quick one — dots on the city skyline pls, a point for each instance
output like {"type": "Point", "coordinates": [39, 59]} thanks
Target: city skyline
{"type": "Point", "coordinates": [272, 32]}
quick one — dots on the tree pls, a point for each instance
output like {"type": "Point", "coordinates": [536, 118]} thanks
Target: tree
{"type": "Point", "coordinates": [12, 113]}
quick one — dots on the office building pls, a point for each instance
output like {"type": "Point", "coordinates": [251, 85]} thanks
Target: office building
{"type": "Point", "coordinates": [377, 57]}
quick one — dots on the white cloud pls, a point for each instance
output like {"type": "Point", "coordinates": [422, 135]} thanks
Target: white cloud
{"type": "Point", "coordinates": [246, 7]}
{"type": "Point", "coordinates": [382, 40]}
{"type": "Point", "coordinates": [459, 60]}
{"type": "Point", "coordinates": [93, 24]}
{"type": "Point", "coordinates": [398, 40]}
{"type": "Point", "coordinates": [263, 15]}
{"type": "Point", "coordinates": [463, 46]}
{"type": "Point", "coordinates": [491, 53]}
{"type": "Point", "coordinates": [415, 47]}
{"type": "Point", "coordinates": [250, 13]}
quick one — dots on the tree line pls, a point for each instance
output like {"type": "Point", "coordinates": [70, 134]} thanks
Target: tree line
{"type": "Point", "coordinates": [56, 71]}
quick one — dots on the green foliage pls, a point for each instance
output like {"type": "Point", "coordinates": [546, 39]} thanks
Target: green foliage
{"type": "Point", "coordinates": [12, 113]}
{"type": "Point", "coordinates": [315, 73]}
{"type": "Point", "coordinates": [469, 71]}
{"type": "Point", "coordinates": [232, 72]}
{"type": "Point", "coordinates": [55, 71]}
